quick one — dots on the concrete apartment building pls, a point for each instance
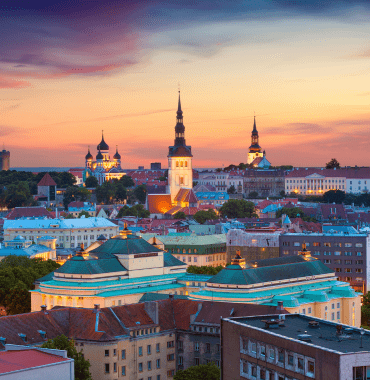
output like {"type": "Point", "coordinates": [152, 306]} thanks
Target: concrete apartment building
{"type": "Point", "coordinates": [346, 254]}
{"type": "Point", "coordinates": [70, 233]}
{"type": "Point", "coordinates": [266, 183]}
{"type": "Point", "coordinates": [257, 245]}
{"type": "Point", "coordinates": [293, 347]}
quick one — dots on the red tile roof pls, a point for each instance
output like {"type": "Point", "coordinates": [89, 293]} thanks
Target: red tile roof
{"type": "Point", "coordinates": [76, 204]}
{"type": "Point", "coordinates": [19, 360]}
{"type": "Point", "coordinates": [159, 203]}
{"type": "Point", "coordinates": [47, 181]}
{"type": "Point", "coordinates": [29, 212]}
{"type": "Point", "coordinates": [186, 195]}
{"type": "Point", "coordinates": [332, 211]}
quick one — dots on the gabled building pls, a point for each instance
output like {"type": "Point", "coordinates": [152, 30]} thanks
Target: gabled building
{"type": "Point", "coordinates": [46, 190]}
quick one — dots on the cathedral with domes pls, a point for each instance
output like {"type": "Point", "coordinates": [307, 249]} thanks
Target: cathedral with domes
{"type": "Point", "coordinates": [103, 168]}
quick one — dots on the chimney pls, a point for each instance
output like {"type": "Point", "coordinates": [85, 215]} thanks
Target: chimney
{"type": "Point", "coordinates": [151, 308]}
{"type": "Point", "coordinates": [280, 306]}
{"type": "Point", "coordinates": [170, 296]}
{"type": "Point", "coordinates": [43, 308]}
{"type": "Point", "coordinates": [96, 308]}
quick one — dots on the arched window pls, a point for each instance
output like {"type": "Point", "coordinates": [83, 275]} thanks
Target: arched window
{"type": "Point", "coordinates": [177, 164]}
{"type": "Point", "coordinates": [181, 163]}
{"type": "Point", "coordinates": [186, 164]}
{"type": "Point", "coordinates": [184, 250]}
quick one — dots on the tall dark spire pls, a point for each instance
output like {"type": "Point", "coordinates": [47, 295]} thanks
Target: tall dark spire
{"type": "Point", "coordinates": [179, 129]}
{"type": "Point", "coordinates": [254, 124]}
{"type": "Point", "coordinates": [255, 144]}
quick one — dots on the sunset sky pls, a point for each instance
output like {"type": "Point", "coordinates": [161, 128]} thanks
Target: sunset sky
{"type": "Point", "coordinates": [69, 69]}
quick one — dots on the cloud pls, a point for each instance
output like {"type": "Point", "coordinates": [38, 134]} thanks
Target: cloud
{"type": "Point", "coordinates": [7, 131]}
{"type": "Point", "coordinates": [12, 83]}
{"type": "Point", "coordinates": [299, 129]}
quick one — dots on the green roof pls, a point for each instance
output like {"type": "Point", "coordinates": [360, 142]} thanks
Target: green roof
{"type": "Point", "coordinates": [171, 261]}
{"type": "Point", "coordinates": [238, 276]}
{"type": "Point", "coordinates": [119, 246]}
{"type": "Point", "coordinates": [160, 296]}
{"type": "Point", "coordinates": [78, 265]}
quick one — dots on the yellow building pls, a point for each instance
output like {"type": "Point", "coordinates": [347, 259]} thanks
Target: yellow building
{"type": "Point", "coordinates": [300, 284]}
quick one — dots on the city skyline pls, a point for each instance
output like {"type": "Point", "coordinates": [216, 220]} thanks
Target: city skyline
{"type": "Point", "coordinates": [68, 71]}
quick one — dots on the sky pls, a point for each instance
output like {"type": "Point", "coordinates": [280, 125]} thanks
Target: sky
{"type": "Point", "coordinates": [70, 69]}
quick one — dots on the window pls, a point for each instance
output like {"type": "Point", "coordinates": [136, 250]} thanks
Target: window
{"type": "Point", "coordinates": [348, 244]}
{"type": "Point", "coordinates": [181, 360]}
{"type": "Point", "coordinates": [348, 262]}
{"type": "Point", "coordinates": [180, 344]}
{"type": "Point", "coordinates": [358, 253]}
{"type": "Point", "coordinates": [327, 244]}
{"type": "Point", "coordinates": [332, 316]}
{"type": "Point", "coordinates": [272, 354]}
{"type": "Point", "coordinates": [114, 367]}
{"type": "Point", "coordinates": [358, 270]}
{"type": "Point", "coordinates": [359, 262]}
{"type": "Point", "coordinates": [316, 244]}
{"type": "Point", "coordinates": [338, 270]}
{"type": "Point", "coordinates": [140, 367]}
{"type": "Point", "coordinates": [149, 365]}
{"type": "Point", "coordinates": [337, 253]}
{"type": "Point", "coordinates": [337, 261]}
{"type": "Point", "coordinates": [297, 244]}
{"type": "Point", "coordinates": [106, 366]}
{"type": "Point", "coordinates": [123, 370]}
{"type": "Point", "coordinates": [309, 310]}
{"type": "Point", "coordinates": [338, 314]}
{"type": "Point", "coordinates": [208, 347]}
{"type": "Point", "coordinates": [114, 352]}
{"type": "Point", "coordinates": [254, 347]}
{"type": "Point", "coordinates": [301, 364]}
{"type": "Point", "coordinates": [171, 373]}
{"type": "Point", "coordinates": [254, 371]}
{"type": "Point", "coordinates": [158, 363]}
{"type": "Point", "coordinates": [140, 351]}
{"type": "Point", "coordinates": [170, 357]}
{"type": "Point", "coordinates": [310, 367]}
{"type": "Point", "coordinates": [358, 245]}
{"type": "Point", "coordinates": [348, 270]}
{"type": "Point", "coordinates": [263, 351]}
{"type": "Point", "coordinates": [196, 361]}
{"type": "Point", "coordinates": [337, 244]}
{"type": "Point", "coordinates": [327, 261]}
{"type": "Point", "coordinates": [106, 352]}
{"type": "Point", "coordinates": [338, 305]}
{"type": "Point", "coordinates": [158, 347]}
{"type": "Point", "coordinates": [346, 253]}
{"type": "Point", "coordinates": [149, 349]}
{"type": "Point", "coordinates": [171, 344]}
{"type": "Point", "coordinates": [290, 360]}
{"type": "Point", "coordinates": [281, 356]}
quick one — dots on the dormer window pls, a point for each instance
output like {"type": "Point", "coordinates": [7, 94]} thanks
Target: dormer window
{"type": "Point", "coordinates": [42, 333]}
{"type": "Point", "coordinates": [23, 337]}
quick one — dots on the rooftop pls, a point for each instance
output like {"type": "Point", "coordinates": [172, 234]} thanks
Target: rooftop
{"type": "Point", "coordinates": [327, 335]}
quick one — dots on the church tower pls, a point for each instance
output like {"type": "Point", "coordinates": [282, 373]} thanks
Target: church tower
{"type": "Point", "coordinates": [254, 150]}
{"type": "Point", "coordinates": [180, 171]}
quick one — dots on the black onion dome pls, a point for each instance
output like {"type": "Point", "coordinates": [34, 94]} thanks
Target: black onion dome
{"type": "Point", "coordinates": [99, 156]}
{"type": "Point", "coordinates": [103, 145]}
{"type": "Point", "coordinates": [89, 156]}
{"type": "Point", "coordinates": [117, 156]}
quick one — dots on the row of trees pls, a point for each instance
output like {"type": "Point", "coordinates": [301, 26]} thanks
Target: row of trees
{"type": "Point", "coordinates": [294, 212]}
{"type": "Point", "coordinates": [206, 269]}
{"type": "Point", "coordinates": [17, 277]}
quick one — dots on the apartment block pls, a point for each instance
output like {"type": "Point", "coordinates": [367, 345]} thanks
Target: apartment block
{"type": "Point", "coordinates": [344, 253]}
{"type": "Point", "coordinates": [294, 346]}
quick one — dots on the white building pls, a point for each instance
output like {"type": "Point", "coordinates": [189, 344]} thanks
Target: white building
{"type": "Point", "coordinates": [70, 233]}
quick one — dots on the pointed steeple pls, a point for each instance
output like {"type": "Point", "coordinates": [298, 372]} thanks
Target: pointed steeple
{"type": "Point", "coordinates": [254, 124]}
{"type": "Point", "coordinates": [89, 155]}
{"type": "Point", "coordinates": [180, 128]}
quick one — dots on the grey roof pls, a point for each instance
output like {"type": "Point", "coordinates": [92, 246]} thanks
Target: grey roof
{"type": "Point", "coordinates": [325, 337]}
{"type": "Point", "coordinates": [235, 275]}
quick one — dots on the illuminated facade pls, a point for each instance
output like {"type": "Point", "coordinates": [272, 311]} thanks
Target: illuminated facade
{"type": "Point", "coordinates": [104, 169]}
{"type": "Point", "coordinates": [180, 171]}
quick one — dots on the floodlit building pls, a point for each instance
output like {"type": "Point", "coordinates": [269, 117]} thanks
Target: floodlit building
{"type": "Point", "coordinates": [301, 283]}
{"type": "Point", "coordinates": [70, 233]}
{"type": "Point", "coordinates": [294, 346]}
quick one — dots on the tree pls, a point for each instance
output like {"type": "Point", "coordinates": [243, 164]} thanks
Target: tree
{"type": "Point", "coordinates": [282, 193]}
{"type": "Point", "coordinates": [253, 194]}
{"type": "Point", "coordinates": [333, 163]}
{"type": "Point", "coordinates": [231, 190]}
{"type": "Point", "coordinates": [200, 372]}
{"type": "Point", "coordinates": [121, 193]}
{"type": "Point", "coordinates": [334, 196]}
{"type": "Point", "coordinates": [179, 215]}
{"type": "Point", "coordinates": [91, 182]}
{"type": "Point", "coordinates": [202, 216]}
{"type": "Point", "coordinates": [127, 181]}
{"type": "Point", "coordinates": [140, 193]}
{"type": "Point", "coordinates": [84, 213]}
{"type": "Point", "coordinates": [205, 269]}
{"type": "Point", "coordinates": [238, 208]}
{"type": "Point", "coordinates": [292, 212]}
{"type": "Point", "coordinates": [137, 210]}
{"type": "Point", "coordinates": [74, 193]}
{"type": "Point", "coordinates": [106, 192]}
{"type": "Point", "coordinates": [81, 364]}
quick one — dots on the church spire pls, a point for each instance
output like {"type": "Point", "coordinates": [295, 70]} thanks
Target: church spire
{"type": "Point", "coordinates": [180, 128]}
{"type": "Point", "coordinates": [254, 125]}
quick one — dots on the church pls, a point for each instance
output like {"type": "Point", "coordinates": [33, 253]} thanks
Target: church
{"type": "Point", "coordinates": [179, 193]}
{"type": "Point", "coordinates": [256, 157]}
{"type": "Point", "coordinates": [103, 168]}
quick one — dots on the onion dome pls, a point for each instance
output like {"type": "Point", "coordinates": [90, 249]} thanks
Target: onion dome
{"type": "Point", "coordinates": [103, 145]}
{"type": "Point", "coordinates": [99, 156]}
{"type": "Point", "coordinates": [117, 156]}
{"type": "Point", "coordinates": [89, 155]}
